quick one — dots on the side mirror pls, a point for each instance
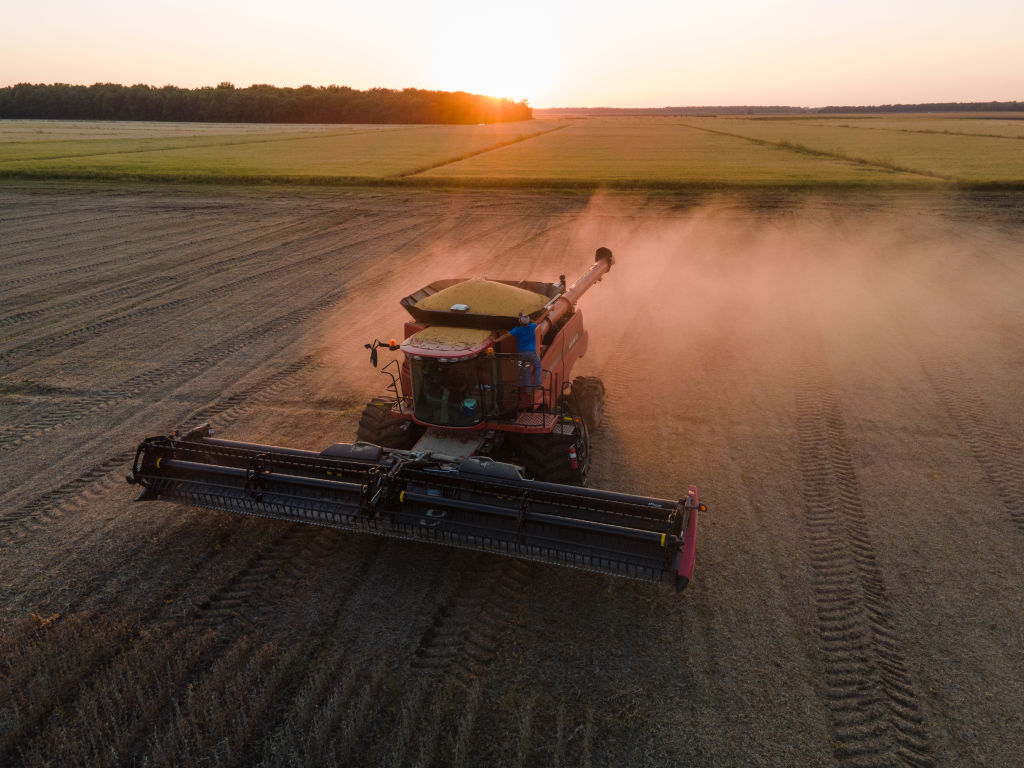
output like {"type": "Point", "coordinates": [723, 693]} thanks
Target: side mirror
{"type": "Point", "coordinates": [373, 356]}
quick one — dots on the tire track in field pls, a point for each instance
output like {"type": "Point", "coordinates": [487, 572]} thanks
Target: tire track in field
{"type": "Point", "coordinates": [245, 607]}
{"type": "Point", "coordinates": [140, 257]}
{"type": "Point", "coordinates": [485, 150]}
{"type": "Point", "coordinates": [874, 703]}
{"type": "Point", "coordinates": [999, 454]}
{"type": "Point", "coordinates": [202, 231]}
{"type": "Point", "coordinates": [799, 149]}
{"type": "Point", "coordinates": [344, 710]}
{"type": "Point", "coordinates": [320, 715]}
{"type": "Point", "coordinates": [160, 284]}
{"type": "Point", "coordinates": [104, 476]}
{"type": "Point", "coordinates": [99, 226]}
{"type": "Point", "coordinates": [113, 231]}
{"type": "Point", "coordinates": [466, 630]}
{"type": "Point", "coordinates": [60, 415]}
{"type": "Point", "coordinates": [217, 233]}
{"type": "Point", "coordinates": [28, 213]}
{"type": "Point", "coordinates": [242, 598]}
{"type": "Point", "coordinates": [24, 354]}
{"type": "Point", "coordinates": [310, 715]}
{"type": "Point", "coordinates": [273, 572]}
{"type": "Point", "coordinates": [187, 273]}
{"type": "Point", "coordinates": [305, 231]}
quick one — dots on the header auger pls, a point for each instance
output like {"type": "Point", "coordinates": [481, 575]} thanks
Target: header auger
{"type": "Point", "coordinates": [462, 450]}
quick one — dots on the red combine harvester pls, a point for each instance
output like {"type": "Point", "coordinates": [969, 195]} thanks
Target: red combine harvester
{"type": "Point", "coordinates": [462, 451]}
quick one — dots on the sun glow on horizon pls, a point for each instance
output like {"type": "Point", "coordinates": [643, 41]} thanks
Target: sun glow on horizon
{"type": "Point", "coordinates": [564, 54]}
{"type": "Point", "coordinates": [497, 51]}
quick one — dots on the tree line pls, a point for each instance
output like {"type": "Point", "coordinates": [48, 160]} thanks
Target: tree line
{"type": "Point", "coordinates": [712, 111]}
{"type": "Point", "coordinates": [966, 106]}
{"type": "Point", "coordinates": [255, 104]}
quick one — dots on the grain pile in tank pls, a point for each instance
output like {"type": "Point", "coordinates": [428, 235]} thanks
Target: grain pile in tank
{"type": "Point", "coordinates": [485, 297]}
{"type": "Point", "coordinates": [447, 337]}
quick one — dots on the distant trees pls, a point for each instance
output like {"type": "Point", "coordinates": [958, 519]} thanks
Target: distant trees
{"type": "Point", "coordinates": [967, 106]}
{"type": "Point", "coordinates": [256, 104]}
{"type": "Point", "coordinates": [712, 111]}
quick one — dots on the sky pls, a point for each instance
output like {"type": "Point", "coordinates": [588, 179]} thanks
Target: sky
{"type": "Point", "coordinates": [559, 53]}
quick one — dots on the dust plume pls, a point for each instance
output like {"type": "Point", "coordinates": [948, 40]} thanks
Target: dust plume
{"type": "Point", "coordinates": [723, 280]}
{"type": "Point", "coordinates": [727, 287]}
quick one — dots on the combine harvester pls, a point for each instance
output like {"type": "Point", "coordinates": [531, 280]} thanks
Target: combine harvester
{"type": "Point", "coordinates": [426, 467]}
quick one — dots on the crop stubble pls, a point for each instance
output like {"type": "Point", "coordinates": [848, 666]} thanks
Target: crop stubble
{"type": "Point", "coordinates": [836, 616]}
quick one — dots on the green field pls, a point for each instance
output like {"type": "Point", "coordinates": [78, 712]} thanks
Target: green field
{"type": "Point", "coordinates": [663, 151]}
{"type": "Point", "coordinates": [861, 152]}
{"type": "Point", "coordinates": [958, 150]}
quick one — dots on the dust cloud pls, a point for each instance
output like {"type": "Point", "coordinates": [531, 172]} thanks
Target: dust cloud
{"type": "Point", "coordinates": [877, 287]}
{"type": "Point", "coordinates": [703, 284]}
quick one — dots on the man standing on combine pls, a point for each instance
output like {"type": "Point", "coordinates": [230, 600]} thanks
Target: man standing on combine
{"type": "Point", "coordinates": [526, 338]}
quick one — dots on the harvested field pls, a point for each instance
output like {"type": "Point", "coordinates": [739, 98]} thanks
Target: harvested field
{"type": "Point", "coordinates": [840, 375]}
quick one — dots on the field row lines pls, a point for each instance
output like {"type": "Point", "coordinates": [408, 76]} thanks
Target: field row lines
{"type": "Point", "coordinates": [197, 145]}
{"type": "Point", "coordinates": [804, 150]}
{"type": "Point", "coordinates": [868, 685]}
{"type": "Point", "coordinates": [932, 131]}
{"type": "Point", "coordinates": [451, 160]}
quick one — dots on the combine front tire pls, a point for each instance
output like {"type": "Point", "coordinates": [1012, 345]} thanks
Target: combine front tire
{"type": "Point", "coordinates": [557, 458]}
{"type": "Point", "coordinates": [377, 426]}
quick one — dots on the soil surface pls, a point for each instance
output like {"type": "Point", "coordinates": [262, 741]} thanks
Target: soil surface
{"type": "Point", "coordinates": [840, 376]}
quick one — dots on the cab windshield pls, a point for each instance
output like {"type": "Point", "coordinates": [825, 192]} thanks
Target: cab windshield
{"type": "Point", "coordinates": [460, 393]}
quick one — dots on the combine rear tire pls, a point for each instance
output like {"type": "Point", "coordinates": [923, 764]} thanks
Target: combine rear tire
{"type": "Point", "coordinates": [378, 427]}
{"type": "Point", "coordinates": [556, 458]}
{"type": "Point", "coordinates": [587, 399]}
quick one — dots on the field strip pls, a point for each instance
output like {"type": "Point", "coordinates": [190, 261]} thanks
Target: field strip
{"type": "Point", "coordinates": [172, 147]}
{"type": "Point", "coordinates": [999, 455]}
{"type": "Point", "coordinates": [108, 223]}
{"type": "Point", "coordinates": [17, 357]}
{"type": "Point", "coordinates": [107, 474]}
{"type": "Point", "coordinates": [874, 703]}
{"type": "Point", "coordinates": [60, 415]}
{"type": "Point", "coordinates": [26, 215]}
{"type": "Point", "coordinates": [449, 161]}
{"type": "Point", "coordinates": [800, 149]}
{"type": "Point", "coordinates": [161, 284]}
{"type": "Point", "coordinates": [856, 127]}
{"type": "Point", "coordinates": [201, 231]}
{"type": "Point", "coordinates": [112, 235]}
{"type": "Point", "coordinates": [202, 263]}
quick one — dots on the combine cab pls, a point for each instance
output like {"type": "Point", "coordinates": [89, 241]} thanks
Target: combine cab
{"type": "Point", "coordinates": [461, 451]}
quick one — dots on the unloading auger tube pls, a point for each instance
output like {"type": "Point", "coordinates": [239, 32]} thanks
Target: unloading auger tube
{"type": "Point", "coordinates": [473, 503]}
{"type": "Point", "coordinates": [603, 261]}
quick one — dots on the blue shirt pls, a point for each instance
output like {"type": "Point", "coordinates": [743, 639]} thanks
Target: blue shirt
{"type": "Point", "coordinates": [526, 337]}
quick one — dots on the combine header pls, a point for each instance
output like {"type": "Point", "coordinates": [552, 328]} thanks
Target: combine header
{"type": "Point", "coordinates": [461, 452]}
